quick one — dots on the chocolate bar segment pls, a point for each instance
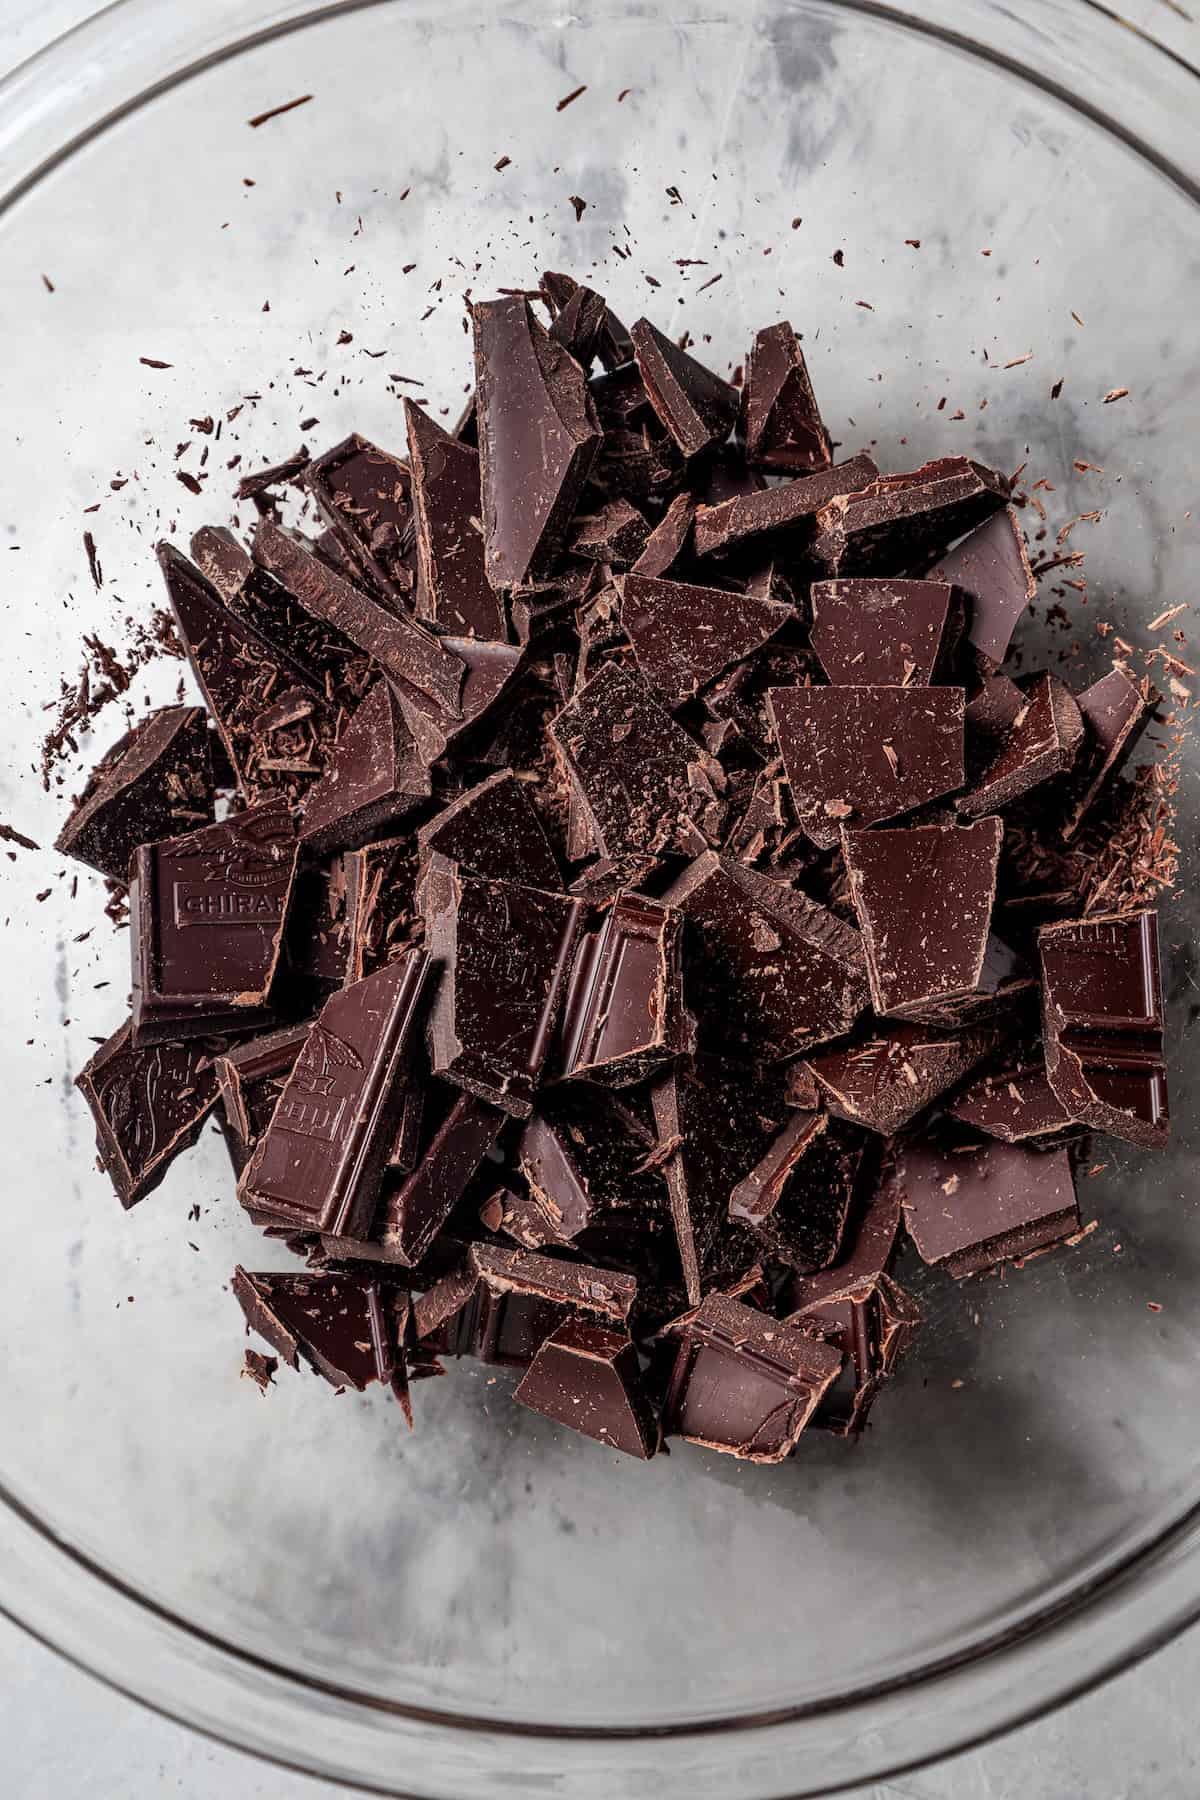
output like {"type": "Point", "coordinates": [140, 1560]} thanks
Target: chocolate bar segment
{"type": "Point", "coordinates": [873, 1324]}
{"type": "Point", "coordinates": [878, 633]}
{"type": "Point", "coordinates": [623, 1017]}
{"type": "Point", "coordinates": [798, 1196]}
{"type": "Point", "coordinates": [373, 779]}
{"type": "Point", "coordinates": [588, 1377]}
{"type": "Point", "coordinates": [696, 406]}
{"type": "Point", "coordinates": [148, 1104]}
{"type": "Point", "coordinates": [684, 636]}
{"type": "Point", "coordinates": [792, 508]}
{"type": "Point", "coordinates": [884, 1079]}
{"type": "Point", "coordinates": [490, 671]}
{"type": "Point", "coordinates": [452, 585]}
{"type": "Point", "coordinates": [617, 534]}
{"type": "Point", "coordinates": [250, 1079]}
{"type": "Point", "coordinates": [781, 421]}
{"type": "Point", "coordinates": [1042, 742]}
{"type": "Point", "coordinates": [414, 1210]}
{"type": "Point", "coordinates": [991, 567]}
{"type": "Point", "coordinates": [1013, 1101]}
{"type": "Point", "coordinates": [155, 782]}
{"type": "Point", "coordinates": [896, 522]}
{"type": "Point", "coordinates": [1115, 712]}
{"type": "Point", "coordinates": [970, 1209]}
{"type": "Point", "coordinates": [504, 1304]}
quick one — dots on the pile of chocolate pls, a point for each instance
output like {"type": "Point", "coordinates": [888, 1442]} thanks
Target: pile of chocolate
{"type": "Point", "coordinates": [612, 894]}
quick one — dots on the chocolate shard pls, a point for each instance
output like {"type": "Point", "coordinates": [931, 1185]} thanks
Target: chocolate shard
{"type": "Point", "coordinates": [148, 1105]}
{"type": "Point", "coordinates": [365, 494]}
{"type": "Point", "coordinates": [349, 1328]}
{"type": "Point", "coordinates": [792, 508]}
{"type": "Point", "coordinates": [503, 1304]}
{"type": "Point", "coordinates": [1115, 711]}
{"type": "Point", "coordinates": [588, 1377]}
{"type": "Point", "coordinates": [155, 782]}
{"type": "Point", "coordinates": [924, 901]}
{"type": "Point", "coordinates": [969, 1209]}
{"type": "Point", "coordinates": [684, 636]}
{"type": "Point", "coordinates": [541, 606]}
{"type": "Point", "coordinates": [900, 521]}
{"type": "Point", "coordinates": [207, 912]}
{"type": "Point", "coordinates": [640, 773]}
{"type": "Point", "coordinates": [1102, 1023]}
{"type": "Point", "coordinates": [506, 952]}
{"type": "Point", "coordinates": [860, 755]}
{"type": "Point", "coordinates": [415, 1210]}
{"type": "Point", "coordinates": [411, 657]}
{"type": "Point", "coordinates": [452, 586]}
{"type": "Point", "coordinates": [1013, 1100]}
{"type": "Point", "coordinates": [616, 534]}
{"type": "Point", "coordinates": [493, 830]}
{"type": "Point", "coordinates": [781, 421]}
{"type": "Point", "coordinates": [991, 713]}
{"type": "Point", "coordinates": [250, 1079]}
{"type": "Point", "coordinates": [279, 474]}
{"type": "Point", "coordinates": [643, 464]}
{"type": "Point", "coordinates": [798, 1196]}
{"type": "Point", "coordinates": [877, 633]}
{"type": "Point", "coordinates": [1043, 741]}
{"type": "Point", "coordinates": [490, 669]}
{"type": "Point", "coordinates": [991, 567]}
{"type": "Point", "coordinates": [316, 948]}
{"type": "Point", "coordinates": [587, 1163]}
{"type": "Point", "coordinates": [382, 917]}
{"type": "Point", "coordinates": [570, 302]}
{"type": "Point", "coordinates": [696, 406]}
{"type": "Point", "coordinates": [669, 539]}
{"type": "Point", "coordinates": [538, 439]}
{"type": "Point", "coordinates": [885, 1078]}
{"type": "Point", "coordinates": [623, 1016]}
{"type": "Point", "coordinates": [374, 778]}
{"type": "Point", "coordinates": [744, 1384]}
{"type": "Point", "coordinates": [319, 1164]}
{"type": "Point", "coordinates": [872, 1327]}
{"type": "Point", "coordinates": [775, 972]}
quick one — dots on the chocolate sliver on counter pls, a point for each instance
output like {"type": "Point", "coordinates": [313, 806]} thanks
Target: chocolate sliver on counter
{"type": "Point", "coordinates": [878, 633]}
{"type": "Point", "coordinates": [1014, 1101]}
{"type": "Point", "coordinates": [616, 534]}
{"type": "Point", "coordinates": [669, 539]}
{"type": "Point", "coordinates": [364, 493]}
{"type": "Point", "coordinates": [505, 952]}
{"type": "Point", "coordinates": [250, 1079]}
{"type": "Point", "coordinates": [1042, 742]}
{"type": "Point", "coordinates": [588, 1377]}
{"type": "Point", "coordinates": [861, 755]}
{"type": "Point", "coordinates": [696, 406]}
{"type": "Point", "coordinates": [493, 830]}
{"type": "Point", "coordinates": [538, 439]}
{"type": "Point", "coordinates": [320, 1163]}
{"type": "Point", "coordinates": [373, 778]}
{"type": "Point", "coordinates": [349, 1328]}
{"type": "Point", "coordinates": [382, 914]}
{"type": "Point", "coordinates": [156, 782]}
{"type": "Point", "coordinates": [790, 509]}
{"type": "Point", "coordinates": [924, 900]}
{"type": "Point", "coordinates": [414, 1210]}
{"type": "Point", "coordinates": [1115, 711]}
{"type": "Point", "coordinates": [884, 1079]}
{"type": "Point", "coordinates": [991, 567]}
{"type": "Point", "coordinates": [207, 913]}
{"type": "Point", "coordinates": [684, 636]}
{"type": "Point", "coordinates": [798, 1197]}
{"type": "Point", "coordinates": [969, 1210]}
{"type": "Point", "coordinates": [623, 1016]}
{"type": "Point", "coordinates": [452, 586]}
{"type": "Point", "coordinates": [743, 1383]}
{"type": "Point", "coordinates": [1102, 1024]}
{"type": "Point", "coordinates": [900, 521]}
{"type": "Point", "coordinates": [490, 671]}
{"type": "Point", "coordinates": [781, 421]}
{"type": "Point", "coordinates": [148, 1104]}
{"type": "Point", "coordinates": [503, 1304]}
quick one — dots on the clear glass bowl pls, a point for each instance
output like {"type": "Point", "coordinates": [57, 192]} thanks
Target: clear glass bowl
{"type": "Point", "coordinates": [487, 1608]}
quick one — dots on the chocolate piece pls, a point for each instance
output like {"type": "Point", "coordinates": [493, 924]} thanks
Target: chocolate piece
{"type": "Point", "coordinates": [493, 830]}
{"type": "Point", "coordinates": [669, 539]}
{"type": "Point", "coordinates": [365, 494]}
{"type": "Point", "coordinates": [538, 439]}
{"type": "Point", "coordinates": [613, 344]}
{"type": "Point", "coordinates": [414, 1212]}
{"type": "Point", "coordinates": [589, 1378]}
{"type": "Point", "coordinates": [452, 587]}
{"type": "Point", "coordinates": [617, 534]}
{"type": "Point", "coordinates": [504, 1304]}
{"type": "Point", "coordinates": [374, 778]}
{"type": "Point", "coordinates": [640, 773]}
{"type": "Point", "coordinates": [1042, 742]}
{"type": "Point", "coordinates": [250, 1079]}
{"type": "Point", "coordinates": [320, 1162]}
{"type": "Point", "coordinates": [885, 1079]}
{"type": "Point", "coordinates": [873, 1327]}
{"type": "Point", "coordinates": [577, 325]}
{"type": "Point", "coordinates": [900, 520]}
{"type": "Point", "coordinates": [991, 566]}
{"type": "Point", "coordinates": [696, 406]}
{"type": "Point", "coordinates": [1115, 710]}
{"type": "Point", "coordinates": [924, 903]}
{"type": "Point", "coordinates": [207, 912]}
{"type": "Point", "coordinates": [793, 507]}
{"type": "Point", "coordinates": [541, 606]}
{"type": "Point", "coordinates": [744, 1384]}
{"type": "Point", "coordinates": [776, 971]}
{"type": "Point", "coordinates": [781, 421]}
{"type": "Point", "coordinates": [587, 1162]}
{"type": "Point", "coordinates": [490, 668]}
{"type": "Point", "coordinates": [1014, 1101]}
{"type": "Point", "coordinates": [349, 1328]}
{"type": "Point", "coordinates": [274, 475]}
{"type": "Point", "coordinates": [642, 464]}
{"type": "Point", "coordinates": [885, 633]}
{"type": "Point", "coordinates": [968, 1211]}
{"type": "Point", "coordinates": [798, 1196]}
{"type": "Point", "coordinates": [382, 917]}
{"type": "Point", "coordinates": [623, 1016]}
{"type": "Point", "coordinates": [1102, 1023]}
{"type": "Point", "coordinates": [411, 657]}
{"type": "Point", "coordinates": [148, 1105]}
{"type": "Point", "coordinates": [506, 951]}
{"type": "Point", "coordinates": [315, 944]}
{"type": "Point", "coordinates": [683, 636]}
{"type": "Point", "coordinates": [865, 754]}
{"type": "Point", "coordinates": [990, 715]}
{"type": "Point", "coordinates": [155, 781]}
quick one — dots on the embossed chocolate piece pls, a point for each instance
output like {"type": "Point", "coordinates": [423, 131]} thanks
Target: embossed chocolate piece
{"type": "Point", "coordinates": [148, 1105]}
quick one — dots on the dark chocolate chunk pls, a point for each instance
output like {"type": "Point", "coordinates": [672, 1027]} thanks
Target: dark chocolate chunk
{"type": "Point", "coordinates": [613, 344]}
{"type": "Point", "coordinates": [490, 671]}
{"type": "Point", "coordinates": [860, 755]}
{"type": "Point", "coordinates": [1014, 1100]}
{"type": "Point", "coordinates": [452, 586]}
{"type": "Point", "coordinates": [506, 952]}
{"type": "Point", "coordinates": [586, 1162]}
{"type": "Point", "coordinates": [493, 830]}
{"type": "Point", "coordinates": [319, 1164]}
{"type": "Point", "coordinates": [642, 464]}
{"type": "Point", "coordinates": [883, 1080]}
{"type": "Point", "coordinates": [1042, 742]}
{"type": "Point", "coordinates": [542, 606]}
{"type": "Point", "coordinates": [349, 1328]}
{"type": "Point", "coordinates": [156, 782]}
{"type": "Point", "coordinates": [588, 1377]}
{"type": "Point", "coordinates": [1102, 1023]}
{"type": "Point", "coordinates": [617, 534]}
{"type": "Point", "coordinates": [504, 1304]}
{"type": "Point", "coordinates": [365, 495]}
{"type": "Point", "coordinates": [1115, 710]}
{"type": "Point", "coordinates": [991, 713]}
{"type": "Point", "coordinates": [696, 406]}
{"type": "Point", "coordinates": [798, 1196]}
{"type": "Point", "coordinates": [382, 917]}
{"type": "Point", "coordinates": [899, 521]}
{"type": "Point", "coordinates": [991, 566]}
{"type": "Point", "coordinates": [250, 1078]}
{"type": "Point", "coordinates": [538, 439]}
{"type": "Point", "coordinates": [274, 475]}
{"type": "Point", "coordinates": [415, 1210]}
{"type": "Point", "coordinates": [924, 902]}
{"type": "Point", "coordinates": [669, 539]}
{"type": "Point", "coordinates": [873, 1324]}
{"type": "Point", "coordinates": [374, 778]}
{"type": "Point", "coordinates": [623, 1016]}
{"type": "Point", "coordinates": [745, 1384]}
{"type": "Point", "coordinates": [877, 633]}
{"type": "Point", "coordinates": [781, 421]}
{"type": "Point", "coordinates": [969, 1209]}
{"type": "Point", "coordinates": [316, 948]}
{"type": "Point", "coordinates": [148, 1105]}
{"type": "Point", "coordinates": [207, 913]}
{"type": "Point", "coordinates": [684, 636]}
{"type": "Point", "coordinates": [793, 506]}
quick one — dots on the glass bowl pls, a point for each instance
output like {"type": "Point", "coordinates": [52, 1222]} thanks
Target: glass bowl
{"type": "Point", "coordinates": [487, 1608]}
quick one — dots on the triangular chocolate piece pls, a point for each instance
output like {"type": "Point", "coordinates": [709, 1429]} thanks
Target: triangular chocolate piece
{"type": "Point", "coordinates": [1042, 742]}
{"type": "Point", "coordinates": [1014, 1100]}
{"type": "Point", "coordinates": [668, 540]}
{"type": "Point", "coordinates": [490, 671]}
{"type": "Point", "coordinates": [1116, 710]}
{"type": "Point", "coordinates": [883, 1080]}
{"type": "Point", "coordinates": [494, 830]}
{"type": "Point", "coordinates": [684, 636]}
{"type": "Point", "coordinates": [365, 494]}
{"type": "Point", "coordinates": [901, 520]}
{"type": "Point", "coordinates": [616, 534]}
{"type": "Point", "coordinates": [798, 1196]}
{"type": "Point", "coordinates": [568, 297]}
{"type": "Point", "coordinates": [349, 1328]}
{"type": "Point", "coordinates": [696, 406]}
{"type": "Point", "coordinates": [780, 418]}
{"type": "Point", "coordinates": [588, 1377]}
{"type": "Point", "coordinates": [452, 587]}
{"type": "Point", "coordinates": [374, 777]}
{"type": "Point", "coordinates": [879, 633]}
{"type": "Point", "coordinates": [156, 782]}
{"type": "Point", "coordinates": [991, 566]}
{"type": "Point", "coordinates": [148, 1105]}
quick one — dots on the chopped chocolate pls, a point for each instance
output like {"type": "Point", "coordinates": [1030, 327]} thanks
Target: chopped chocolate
{"type": "Point", "coordinates": [1042, 742]}
{"type": "Point", "coordinates": [316, 948]}
{"type": "Point", "coordinates": [884, 1079]}
{"type": "Point", "coordinates": [798, 1196]}
{"type": "Point", "coordinates": [616, 534]}
{"type": "Point", "coordinates": [613, 344]}
{"type": "Point", "coordinates": [1013, 1101]}
{"type": "Point", "coordinates": [490, 671]}
{"type": "Point", "coordinates": [250, 1078]}
{"type": "Point", "coordinates": [588, 1377]}
{"type": "Point", "coordinates": [781, 421]}
{"type": "Point", "coordinates": [365, 495]}
{"type": "Point", "coordinates": [669, 539]}
{"type": "Point", "coordinates": [452, 586]}
{"type": "Point", "coordinates": [154, 783]}
{"type": "Point", "coordinates": [148, 1105]}
{"type": "Point", "coordinates": [382, 918]}
{"type": "Point", "coordinates": [696, 406]}
{"type": "Point", "coordinates": [991, 567]}
{"type": "Point", "coordinates": [504, 1304]}
{"type": "Point", "coordinates": [990, 715]}
{"type": "Point", "coordinates": [860, 755]}
{"type": "Point", "coordinates": [792, 507]}
{"type": "Point", "coordinates": [493, 830]}
{"type": "Point", "coordinates": [873, 1327]}
{"type": "Point", "coordinates": [967, 1209]}
{"type": "Point", "coordinates": [374, 778]}
{"type": "Point", "coordinates": [349, 1328]}
{"type": "Point", "coordinates": [900, 520]}
{"type": "Point", "coordinates": [586, 1164]}
{"type": "Point", "coordinates": [1102, 1022]}
{"type": "Point", "coordinates": [877, 633]}
{"type": "Point", "coordinates": [275, 475]}
{"type": "Point", "coordinates": [684, 636]}
{"type": "Point", "coordinates": [413, 1212]}
{"type": "Point", "coordinates": [623, 1016]}
{"type": "Point", "coordinates": [1115, 711]}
